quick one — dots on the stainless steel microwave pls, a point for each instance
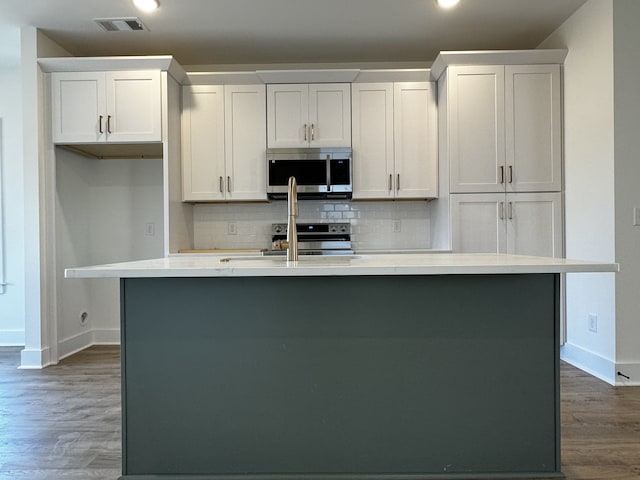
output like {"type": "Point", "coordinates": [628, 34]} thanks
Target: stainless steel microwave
{"type": "Point", "coordinates": [319, 172]}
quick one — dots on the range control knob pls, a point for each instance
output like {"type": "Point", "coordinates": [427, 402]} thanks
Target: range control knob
{"type": "Point", "coordinates": [279, 229]}
{"type": "Point", "coordinates": [343, 229]}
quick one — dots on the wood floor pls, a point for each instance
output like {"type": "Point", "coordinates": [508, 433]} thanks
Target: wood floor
{"type": "Point", "coordinates": [63, 422]}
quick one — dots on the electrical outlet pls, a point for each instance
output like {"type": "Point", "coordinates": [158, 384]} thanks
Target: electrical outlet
{"type": "Point", "coordinates": [149, 229]}
{"type": "Point", "coordinates": [397, 226]}
{"type": "Point", "coordinates": [84, 318]}
{"type": "Point", "coordinates": [232, 229]}
{"type": "Point", "coordinates": [593, 322]}
{"type": "Point", "coordinates": [636, 216]}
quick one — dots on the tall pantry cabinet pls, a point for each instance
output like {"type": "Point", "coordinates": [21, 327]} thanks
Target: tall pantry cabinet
{"type": "Point", "coordinates": [501, 134]}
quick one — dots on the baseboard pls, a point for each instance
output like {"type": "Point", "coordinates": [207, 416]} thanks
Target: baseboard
{"type": "Point", "coordinates": [12, 338]}
{"type": "Point", "coordinates": [75, 344]}
{"type": "Point", "coordinates": [35, 358]}
{"type": "Point", "coordinates": [630, 370]}
{"type": "Point", "coordinates": [106, 336]}
{"type": "Point", "coordinates": [84, 340]}
{"type": "Point", "coordinates": [589, 362]}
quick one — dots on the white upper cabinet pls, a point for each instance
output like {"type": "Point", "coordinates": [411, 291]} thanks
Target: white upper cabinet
{"type": "Point", "coordinates": [98, 107]}
{"type": "Point", "coordinates": [394, 140]}
{"type": "Point", "coordinates": [223, 143]}
{"type": "Point", "coordinates": [415, 140]}
{"type": "Point", "coordinates": [476, 128]}
{"type": "Point", "coordinates": [309, 115]}
{"type": "Point", "coordinates": [203, 169]}
{"type": "Point", "coordinates": [518, 223]}
{"type": "Point", "coordinates": [504, 128]}
{"type": "Point", "coordinates": [373, 167]}
{"type": "Point", "coordinates": [245, 142]}
{"type": "Point", "coordinates": [533, 128]}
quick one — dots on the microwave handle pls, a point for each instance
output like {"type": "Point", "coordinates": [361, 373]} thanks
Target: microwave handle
{"type": "Point", "coordinates": [328, 173]}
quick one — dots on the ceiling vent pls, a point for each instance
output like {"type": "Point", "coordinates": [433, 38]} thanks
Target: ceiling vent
{"type": "Point", "coordinates": [130, 24]}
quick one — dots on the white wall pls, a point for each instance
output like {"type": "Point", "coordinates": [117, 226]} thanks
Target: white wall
{"type": "Point", "coordinates": [372, 223]}
{"type": "Point", "coordinates": [12, 301]}
{"type": "Point", "coordinates": [602, 114]}
{"type": "Point", "coordinates": [626, 41]}
{"type": "Point", "coordinates": [102, 207]}
{"type": "Point", "coordinates": [589, 182]}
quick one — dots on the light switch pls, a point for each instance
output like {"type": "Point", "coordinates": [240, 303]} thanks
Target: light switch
{"type": "Point", "coordinates": [636, 216]}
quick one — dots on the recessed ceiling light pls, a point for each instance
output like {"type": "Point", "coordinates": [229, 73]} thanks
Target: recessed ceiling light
{"type": "Point", "coordinates": [447, 3]}
{"type": "Point", "coordinates": [146, 5]}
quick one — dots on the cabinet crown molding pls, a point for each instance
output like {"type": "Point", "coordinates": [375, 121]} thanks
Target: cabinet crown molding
{"type": "Point", "coordinates": [101, 64]}
{"type": "Point", "coordinates": [496, 57]}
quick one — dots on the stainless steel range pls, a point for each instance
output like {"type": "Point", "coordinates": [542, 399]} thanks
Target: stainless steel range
{"type": "Point", "coordinates": [314, 238]}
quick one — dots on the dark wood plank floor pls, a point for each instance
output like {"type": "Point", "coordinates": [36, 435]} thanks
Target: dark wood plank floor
{"type": "Point", "coordinates": [63, 422]}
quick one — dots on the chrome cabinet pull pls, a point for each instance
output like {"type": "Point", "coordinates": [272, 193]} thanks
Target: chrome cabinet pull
{"type": "Point", "coordinates": [305, 132]}
{"type": "Point", "coordinates": [510, 210]}
{"type": "Point", "coordinates": [510, 173]}
{"type": "Point", "coordinates": [220, 184]}
{"type": "Point", "coordinates": [100, 129]}
{"type": "Point", "coordinates": [313, 132]}
{"type": "Point", "coordinates": [229, 184]}
{"type": "Point", "coordinates": [398, 183]}
{"type": "Point", "coordinates": [501, 173]}
{"type": "Point", "coordinates": [390, 182]}
{"type": "Point", "coordinates": [109, 124]}
{"type": "Point", "coordinates": [501, 211]}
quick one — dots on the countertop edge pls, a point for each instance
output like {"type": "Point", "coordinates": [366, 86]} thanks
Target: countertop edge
{"type": "Point", "coordinates": [402, 264]}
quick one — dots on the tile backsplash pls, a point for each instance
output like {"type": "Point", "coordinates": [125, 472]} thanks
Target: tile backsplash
{"type": "Point", "coordinates": [374, 225]}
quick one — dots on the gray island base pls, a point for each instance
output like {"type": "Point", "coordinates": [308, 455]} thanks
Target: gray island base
{"type": "Point", "coordinates": [341, 377]}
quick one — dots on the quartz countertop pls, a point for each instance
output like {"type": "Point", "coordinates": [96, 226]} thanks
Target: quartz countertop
{"type": "Point", "coordinates": [338, 265]}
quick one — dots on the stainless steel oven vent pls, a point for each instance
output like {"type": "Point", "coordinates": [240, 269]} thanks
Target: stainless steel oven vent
{"type": "Point", "coordinates": [129, 24]}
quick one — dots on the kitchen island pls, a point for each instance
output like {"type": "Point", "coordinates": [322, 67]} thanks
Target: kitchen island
{"type": "Point", "coordinates": [383, 366]}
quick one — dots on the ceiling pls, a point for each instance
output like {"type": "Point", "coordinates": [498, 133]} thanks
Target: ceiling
{"type": "Point", "coordinates": [208, 32]}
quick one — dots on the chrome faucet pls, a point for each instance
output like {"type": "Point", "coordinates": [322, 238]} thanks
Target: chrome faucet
{"type": "Point", "coordinates": [292, 231]}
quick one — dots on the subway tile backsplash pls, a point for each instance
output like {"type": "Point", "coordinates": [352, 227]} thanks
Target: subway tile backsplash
{"type": "Point", "coordinates": [374, 225]}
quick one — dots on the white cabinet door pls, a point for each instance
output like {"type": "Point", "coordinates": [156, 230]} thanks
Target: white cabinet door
{"type": "Point", "coordinates": [372, 140]}
{"type": "Point", "coordinates": [203, 168]}
{"type": "Point", "coordinates": [303, 115]}
{"type": "Point", "coordinates": [415, 140]}
{"type": "Point", "coordinates": [476, 128]}
{"type": "Point", "coordinates": [78, 107]}
{"type": "Point", "coordinates": [534, 224]}
{"type": "Point", "coordinates": [533, 116]}
{"type": "Point", "coordinates": [477, 223]}
{"type": "Point", "coordinates": [329, 115]}
{"type": "Point", "coordinates": [133, 106]}
{"type": "Point", "coordinates": [97, 107]}
{"type": "Point", "coordinates": [245, 142]}
{"type": "Point", "coordinates": [288, 116]}
{"type": "Point", "coordinates": [517, 223]}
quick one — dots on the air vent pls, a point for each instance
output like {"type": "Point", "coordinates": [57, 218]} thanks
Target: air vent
{"type": "Point", "coordinates": [130, 24]}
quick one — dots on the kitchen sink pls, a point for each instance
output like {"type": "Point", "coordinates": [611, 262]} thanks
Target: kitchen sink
{"type": "Point", "coordinates": [303, 260]}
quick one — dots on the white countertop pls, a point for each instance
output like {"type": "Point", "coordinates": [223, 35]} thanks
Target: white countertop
{"type": "Point", "coordinates": [379, 264]}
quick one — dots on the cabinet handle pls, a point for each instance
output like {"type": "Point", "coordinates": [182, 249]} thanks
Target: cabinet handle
{"type": "Point", "coordinates": [313, 132]}
{"type": "Point", "coordinates": [510, 173]}
{"type": "Point", "coordinates": [398, 183]}
{"type": "Point", "coordinates": [501, 211]}
{"type": "Point", "coordinates": [501, 173]}
{"type": "Point", "coordinates": [100, 129]}
{"type": "Point", "coordinates": [109, 124]}
{"type": "Point", "coordinates": [305, 132]}
{"type": "Point", "coordinates": [229, 184]}
{"type": "Point", "coordinates": [390, 182]}
{"type": "Point", "coordinates": [510, 210]}
{"type": "Point", "coordinates": [220, 184]}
